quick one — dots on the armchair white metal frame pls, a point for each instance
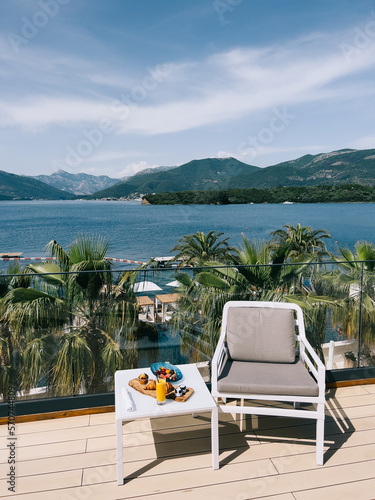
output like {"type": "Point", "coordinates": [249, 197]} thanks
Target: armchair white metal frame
{"type": "Point", "coordinates": [306, 355]}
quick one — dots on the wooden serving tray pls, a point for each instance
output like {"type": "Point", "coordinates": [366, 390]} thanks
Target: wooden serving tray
{"type": "Point", "coordinates": [135, 384]}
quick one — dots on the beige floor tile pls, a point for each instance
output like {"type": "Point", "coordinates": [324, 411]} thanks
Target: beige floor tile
{"type": "Point", "coordinates": [342, 392]}
{"type": "Point", "coordinates": [359, 490]}
{"type": "Point", "coordinates": [48, 424]}
{"type": "Point", "coordinates": [48, 450]}
{"type": "Point", "coordinates": [43, 483]}
{"type": "Point", "coordinates": [62, 463]}
{"type": "Point", "coordinates": [264, 485]}
{"type": "Point", "coordinates": [287, 483]}
{"type": "Point", "coordinates": [364, 423]}
{"type": "Point", "coordinates": [173, 448]}
{"type": "Point", "coordinates": [201, 477]}
{"type": "Point", "coordinates": [63, 435]}
{"type": "Point", "coordinates": [150, 468]}
{"type": "Point", "coordinates": [360, 411]}
{"type": "Point", "coordinates": [342, 456]}
{"type": "Point", "coordinates": [53, 424]}
{"type": "Point", "coordinates": [102, 418]}
{"type": "Point", "coordinates": [369, 388]}
{"type": "Point", "coordinates": [283, 496]}
{"type": "Point", "coordinates": [179, 434]}
{"type": "Point", "coordinates": [4, 431]}
{"type": "Point", "coordinates": [349, 401]}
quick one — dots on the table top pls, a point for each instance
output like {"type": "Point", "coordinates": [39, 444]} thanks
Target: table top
{"type": "Point", "coordinates": [146, 406]}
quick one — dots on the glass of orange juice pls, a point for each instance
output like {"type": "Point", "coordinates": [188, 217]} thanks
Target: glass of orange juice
{"type": "Point", "coordinates": [160, 391]}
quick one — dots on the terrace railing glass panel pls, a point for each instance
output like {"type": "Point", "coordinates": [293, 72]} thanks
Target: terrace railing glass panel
{"type": "Point", "coordinates": [66, 334]}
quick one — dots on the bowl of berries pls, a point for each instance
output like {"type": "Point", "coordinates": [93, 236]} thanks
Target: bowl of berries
{"type": "Point", "coordinates": [167, 371]}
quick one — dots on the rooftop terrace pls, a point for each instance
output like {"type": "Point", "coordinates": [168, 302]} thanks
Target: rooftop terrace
{"type": "Point", "coordinates": [169, 458]}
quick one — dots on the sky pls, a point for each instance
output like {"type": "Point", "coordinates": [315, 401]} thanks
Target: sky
{"type": "Point", "coordinates": [113, 87]}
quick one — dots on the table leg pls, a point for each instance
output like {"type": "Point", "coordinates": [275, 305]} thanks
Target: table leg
{"type": "Point", "coordinates": [215, 437]}
{"type": "Point", "coordinates": [119, 444]}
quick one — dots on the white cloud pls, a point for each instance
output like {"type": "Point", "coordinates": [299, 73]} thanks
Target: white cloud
{"type": "Point", "coordinates": [133, 168]}
{"type": "Point", "coordinates": [244, 81]}
{"type": "Point", "coordinates": [188, 95]}
{"type": "Point", "coordinates": [45, 111]}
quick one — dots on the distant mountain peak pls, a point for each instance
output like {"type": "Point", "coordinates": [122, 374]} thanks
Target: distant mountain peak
{"type": "Point", "coordinates": [207, 173]}
{"type": "Point", "coordinates": [80, 184]}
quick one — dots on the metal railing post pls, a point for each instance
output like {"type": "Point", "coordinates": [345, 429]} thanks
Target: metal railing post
{"type": "Point", "coordinates": [360, 318]}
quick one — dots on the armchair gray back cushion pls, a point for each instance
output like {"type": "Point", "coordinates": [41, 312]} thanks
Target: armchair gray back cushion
{"type": "Point", "coordinates": [261, 334]}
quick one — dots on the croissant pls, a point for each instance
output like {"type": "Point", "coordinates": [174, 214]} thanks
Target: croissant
{"type": "Point", "coordinates": [168, 387]}
{"type": "Point", "coordinates": [151, 386]}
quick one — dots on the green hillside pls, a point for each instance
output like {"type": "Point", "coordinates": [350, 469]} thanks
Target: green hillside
{"type": "Point", "coordinates": [346, 166]}
{"type": "Point", "coordinates": [19, 187]}
{"type": "Point", "coordinates": [209, 174]}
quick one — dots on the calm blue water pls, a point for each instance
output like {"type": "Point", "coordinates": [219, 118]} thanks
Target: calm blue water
{"type": "Point", "coordinates": [139, 232]}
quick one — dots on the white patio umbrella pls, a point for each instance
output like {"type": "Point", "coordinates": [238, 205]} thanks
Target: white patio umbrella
{"type": "Point", "coordinates": [146, 286]}
{"type": "Point", "coordinates": [173, 283]}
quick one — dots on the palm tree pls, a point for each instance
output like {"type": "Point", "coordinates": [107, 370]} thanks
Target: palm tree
{"type": "Point", "coordinates": [254, 277]}
{"type": "Point", "coordinates": [353, 281]}
{"type": "Point", "coordinates": [72, 324]}
{"type": "Point", "coordinates": [300, 242]}
{"type": "Point", "coordinates": [9, 358]}
{"type": "Point", "coordinates": [196, 249]}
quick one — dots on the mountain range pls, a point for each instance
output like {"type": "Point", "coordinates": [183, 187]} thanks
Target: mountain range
{"type": "Point", "coordinates": [210, 173]}
{"type": "Point", "coordinates": [20, 187]}
{"type": "Point", "coordinates": [346, 166]}
{"type": "Point", "coordinates": [78, 184]}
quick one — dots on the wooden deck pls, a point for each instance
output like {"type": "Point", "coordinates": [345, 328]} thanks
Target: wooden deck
{"type": "Point", "coordinates": [169, 459]}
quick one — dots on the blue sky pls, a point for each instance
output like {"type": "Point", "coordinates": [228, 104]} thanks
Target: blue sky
{"type": "Point", "coordinates": [118, 86]}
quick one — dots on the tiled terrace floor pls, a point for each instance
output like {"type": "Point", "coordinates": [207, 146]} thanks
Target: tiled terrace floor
{"type": "Point", "coordinates": [75, 458]}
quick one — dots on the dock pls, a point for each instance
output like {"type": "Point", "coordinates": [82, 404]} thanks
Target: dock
{"type": "Point", "coordinates": [10, 255]}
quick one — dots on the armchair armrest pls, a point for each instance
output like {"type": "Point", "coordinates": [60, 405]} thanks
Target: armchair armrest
{"type": "Point", "coordinates": [218, 361]}
{"type": "Point", "coordinates": [319, 370]}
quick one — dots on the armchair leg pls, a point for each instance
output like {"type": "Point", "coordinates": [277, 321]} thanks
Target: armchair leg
{"type": "Point", "coordinates": [242, 417]}
{"type": "Point", "coordinates": [320, 438]}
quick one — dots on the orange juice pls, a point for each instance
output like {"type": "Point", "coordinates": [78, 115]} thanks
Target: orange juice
{"type": "Point", "coordinates": [160, 391]}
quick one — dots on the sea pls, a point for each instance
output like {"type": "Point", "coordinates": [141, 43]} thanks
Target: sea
{"type": "Point", "coordinates": [139, 232]}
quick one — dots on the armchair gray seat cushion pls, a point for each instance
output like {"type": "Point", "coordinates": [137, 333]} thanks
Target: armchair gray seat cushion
{"type": "Point", "coordinates": [261, 334]}
{"type": "Point", "coordinates": [280, 379]}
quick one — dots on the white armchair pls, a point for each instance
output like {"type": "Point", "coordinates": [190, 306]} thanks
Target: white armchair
{"type": "Point", "coordinates": [263, 355]}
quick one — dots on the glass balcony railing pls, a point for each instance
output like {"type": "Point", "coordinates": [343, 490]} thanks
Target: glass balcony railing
{"type": "Point", "coordinates": [65, 334]}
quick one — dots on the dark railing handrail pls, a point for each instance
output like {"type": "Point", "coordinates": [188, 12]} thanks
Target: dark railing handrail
{"type": "Point", "coordinates": [184, 268]}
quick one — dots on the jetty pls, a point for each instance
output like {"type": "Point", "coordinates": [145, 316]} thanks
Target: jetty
{"type": "Point", "coordinates": [10, 255]}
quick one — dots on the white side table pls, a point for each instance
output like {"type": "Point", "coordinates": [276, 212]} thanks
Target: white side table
{"type": "Point", "coordinates": [145, 407]}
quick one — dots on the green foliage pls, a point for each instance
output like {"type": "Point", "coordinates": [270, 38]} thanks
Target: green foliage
{"type": "Point", "coordinates": [312, 194]}
{"type": "Point", "coordinates": [198, 248]}
{"type": "Point", "coordinates": [259, 274]}
{"type": "Point", "coordinates": [300, 243]}
{"type": "Point", "coordinates": [68, 324]}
